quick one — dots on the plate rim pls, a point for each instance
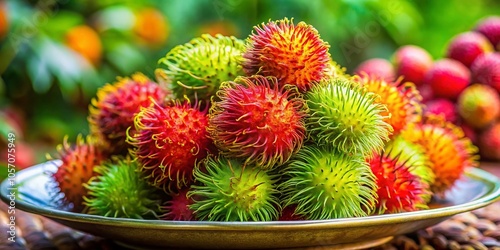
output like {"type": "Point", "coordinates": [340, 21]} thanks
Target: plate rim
{"type": "Point", "coordinates": [492, 195]}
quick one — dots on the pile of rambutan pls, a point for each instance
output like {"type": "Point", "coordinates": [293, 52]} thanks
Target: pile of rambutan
{"type": "Point", "coordinates": [266, 129]}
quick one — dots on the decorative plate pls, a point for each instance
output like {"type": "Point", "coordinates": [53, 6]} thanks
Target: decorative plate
{"type": "Point", "coordinates": [476, 189]}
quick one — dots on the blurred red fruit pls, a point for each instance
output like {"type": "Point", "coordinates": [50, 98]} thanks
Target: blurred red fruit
{"type": "Point", "coordinates": [447, 78]}
{"type": "Point", "coordinates": [412, 62]}
{"type": "Point", "coordinates": [490, 28]}
{"type": "Point", "coordinates": [469, 132]}
{"type": "Point", "coordinates": [426, 92]}
{"type": "Point", "coordinates": [489, 142]}
{"type": "Point", "coordinates": [377, 68]}
{"type": "Point", "coordinates": [442, 107]}
{"type": "Point", "coordinates": [486, 70]}
{"type": "Point", "coordinates": [465, 47]}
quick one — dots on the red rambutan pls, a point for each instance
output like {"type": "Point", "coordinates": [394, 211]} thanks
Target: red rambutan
{"type": "Point", "coordinates": [490, 28]}
{"type": "Point", "coordinates": [77, 167]}
{"type": "Point", "coordinates": [295, 54]}
{"type": "Point", "coordinates": [177, 208]}
{"type": "Point", "coordinates": [376, 68]}
{"type": "Point", "coordinates": [441, 106]}
{"type": "Point", "coordinates": [412, 62]}
{"type": "Point", "coordinates": [447, 78]}
{"type": "Point", "coordinates": [168, 141]}
{"type": "Point", "coordinates": [258, 120]}
{"type": "Point", "coordinates": [486, 70]}
{"type": "Point", "coordinates": [467, 46]}
{"type": "Point", "coordinates": [398, 189]}
{"type": "Point", "coordinates": [112, 112]}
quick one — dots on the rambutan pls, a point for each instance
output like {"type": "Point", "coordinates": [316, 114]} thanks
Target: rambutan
{"type": "Point", "coordinates": [412, 63]}
{"type": "Point", "coordinates": [346, 116]}
{"type": "Point", "coordinates": [295, 54]}
{"type": "Point", "coordinates": [449, 151]}
{"type": "Point", "coordinates": [486, 70]}
{"type": "Point", "coordinates": [258, 120]}
{"type": "Point", "coordinates": [168, 141]}
{"type": "Point", "coordinates": [479, 105]}
{"type": "Point", "coordinates": [230, 190]}
{"type": "Point", "coordinates": [490, 28]}
{"type": "Point", "coordinates": [467, 46]}
{"type": "Point", "coordinates": [442, 107]}
{"type": "Point", "coordinates": [411, 154]}
{"type": "Point", "coordinates": [177, 208]}
{"type": "Point", "coordinates": [401, 99]}
{"type": "Point", "coordinates": [197, 68]}
{"type": "Point", "coordinates": [112, 112]}
{"type": "Point", "coordinates": [376, 68]}
{"type": "Point", "coordinates": [489, 142]}
{"type": "Point", "coordinates": [447, 78]}
{"type": "Point", "coordinates": [77, 167]}
{"type": "Point", "coordinates": [108, 197]}
{"type": "Point", "coordinates": [326, 184]}
{"type": "Point", "coordinates": [288, 214]}
{"type": "Point", "coordinates": [398, 189]}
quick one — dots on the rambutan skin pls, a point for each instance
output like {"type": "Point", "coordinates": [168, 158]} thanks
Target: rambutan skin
{"type": "Point", "coordinates": [197, 68]}
{"type": "Point", "coordinates": [376, 68]}
{"type": "Point", "coordinates": [412, 63]}
{"type": "Point", "coordinates": [77, 167]}
{"type": "Point", "coordinates": [489, 142]}
{"type": "Point", "coordinates": [490, 28]}
{"type": "Point", "coordinates": [447, 78]}
{"type": "Point", "coordinates": [258, 120]}
{"type": "Point", "coordinates": [344, 115]}
{"type": "Point", "coordinates": [177, 208]}
{"type": "Point", "coordinates": [325, 184]}
{"type": "Point", "coordinates": [295, 54]}
{"type": "Point", "coordinates": [398, 189]}
{"type": "Point", "coordinates": [108, 197]}
{"type": "Point", "coordinates": [229, 190]}
{"type": "Point", "coordinates": [486, 70]}
{"type": "Point", "coordinates": [168, 141]}
{"type": "Point", "coordinates": [401, 99]}
{"type": "Point", "coordinates": [112, 112]}
{"type": "Point", "coordinates": [466, 47]}
{"type": "Point", "coordinates": [449, 151]}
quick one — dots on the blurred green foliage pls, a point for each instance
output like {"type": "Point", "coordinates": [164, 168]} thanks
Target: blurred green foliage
{"type": "Point", "coordinates": [49, 86]}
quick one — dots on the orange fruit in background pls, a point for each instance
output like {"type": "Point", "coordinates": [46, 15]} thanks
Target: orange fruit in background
{"type": "Point", "coordinates": [151, 27]}
{"type": "Point", "coordinates": [86, 42]}
{"type": "Point", "coordinates": [4, 21]}
{"type": "Point", "coordinates": [219, 27]}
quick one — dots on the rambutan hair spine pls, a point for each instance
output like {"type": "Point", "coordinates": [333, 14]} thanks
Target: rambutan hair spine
{"type": "Point", "coordinates": [344, 115]}
{"type": "Point", "coordinates": [258, 120]}
{"type": "Point", "coordinates": [294, 54]}
{"type": "Point", "coordinates": [168, 141]}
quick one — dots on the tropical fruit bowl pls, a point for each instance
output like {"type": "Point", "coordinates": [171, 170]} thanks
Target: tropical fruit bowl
{"type": "Point", "coordinates": [258, 143]}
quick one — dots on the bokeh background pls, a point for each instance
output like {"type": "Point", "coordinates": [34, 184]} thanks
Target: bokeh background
{"type": "Point", "coordinates": [55, 54]}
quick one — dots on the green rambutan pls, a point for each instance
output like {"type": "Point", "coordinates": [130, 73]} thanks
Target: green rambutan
{"type": "Point", "coordinates": [327, 184]}
{"type": "Point", "coordinates": [107, 195]}
{"type": "Point", "coordinates": [295, 54]}
{"type": "Point", "coordinates": [177, 208]}
{"type": "Point", "coordinates": [197, 68]}
{"type": "Point", "coordinates": [112, 112]}
{"type": "Point", "coordinates": [398, 189]}
{"type": "Point", "coordinates": [168, 141]}
{"type": "Point", "coordinates": [346, 116]}
{"type": "Point", "coordinates": [229, 190]}
{"type": "Point", "coordinates": [257, 120]}
{"type": "Point", "coordinates": [77, 167]}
